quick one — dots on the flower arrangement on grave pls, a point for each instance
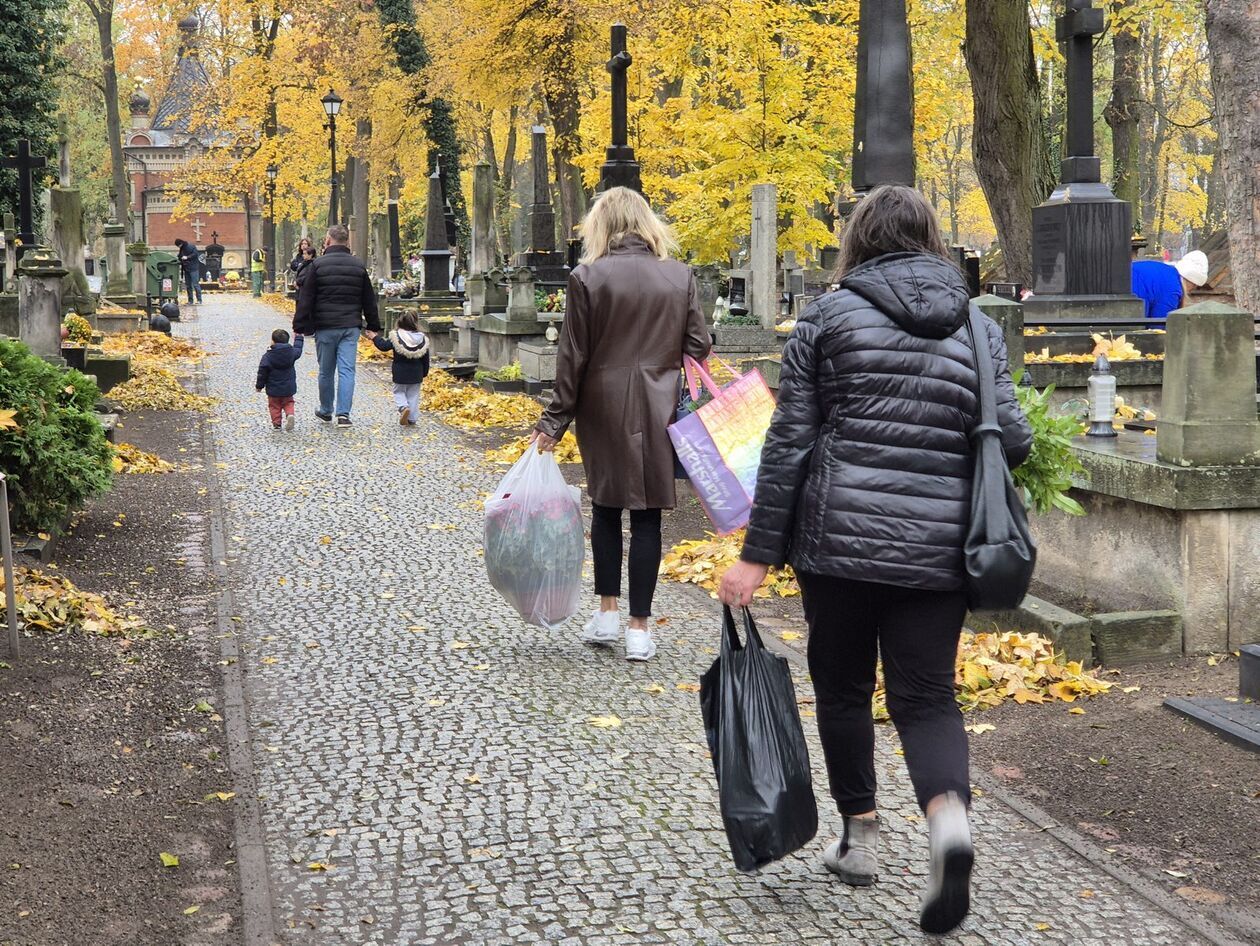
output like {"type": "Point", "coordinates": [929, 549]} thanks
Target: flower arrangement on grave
{"type": "Point", "coordinates": [76, 329]}
{"type": "Point", "coordinates": [549, 301]}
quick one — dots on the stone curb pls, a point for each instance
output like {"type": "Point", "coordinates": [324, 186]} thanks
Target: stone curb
{"type": "Point", "coordinates": [257, 911]}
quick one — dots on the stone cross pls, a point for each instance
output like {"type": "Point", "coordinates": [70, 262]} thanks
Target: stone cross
{"type": "Point", "coordinates": [1076, 30]}
{"type": "Point", "coordinates": [883, 114]}
{"type": "Point", "coordinates": [764, 255]}
{"type": "Point", "coordinates": [620, 169]}
{"type": "Point", "coordinates": [25, 164]}
{"type": "Point", "coordinates": [197, 226]}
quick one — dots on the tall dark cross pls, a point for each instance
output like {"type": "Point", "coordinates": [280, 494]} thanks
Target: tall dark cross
{"type": "Point", "coordinates": [25, 164]}
{"type": "Point", "coordinates": [620, 169]}
{"type": "Point", "coordinates": [1076, 30]}
{"type": "Point", "coordinates": [883, 114]}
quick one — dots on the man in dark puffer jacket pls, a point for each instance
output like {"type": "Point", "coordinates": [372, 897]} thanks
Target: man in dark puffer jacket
{"type": "Point", "coordinates": [336, 297]}
{"type": "Point", "coordinates": [865, 487]}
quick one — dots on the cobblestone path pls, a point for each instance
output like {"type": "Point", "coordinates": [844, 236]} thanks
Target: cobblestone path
{"type": "Point", "coordinates": [411, 734]}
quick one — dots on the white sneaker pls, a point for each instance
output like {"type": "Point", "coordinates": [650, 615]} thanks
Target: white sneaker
{"type": "Point", "coordinates": [604, 627]}
{"type": "Point", "coordinates": [639, 644]}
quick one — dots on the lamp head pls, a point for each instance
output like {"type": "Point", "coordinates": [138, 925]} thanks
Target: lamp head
{"type": "Point", "coordinates": [332, 103]}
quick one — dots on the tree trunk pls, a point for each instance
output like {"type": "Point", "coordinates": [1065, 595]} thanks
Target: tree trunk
{"type": "Point", "coordinates": [503, 188]}
{"type": "Point", "coordinates": [103, 12]}
{"type": "Point", "coordinates": [1122, 111]}
{"type": "Point", "coordinates": [1008, 141]}
{"type": "Point", "coordinates": [1233, 29]}
{"type": "Point", "coordinates": [362, 220]}
{"type": "Point", "coordinates": [566, 114]}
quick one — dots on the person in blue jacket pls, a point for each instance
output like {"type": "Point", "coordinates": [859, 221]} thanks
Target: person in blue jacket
{"type": "Point", "coordinates": [1156, 283]}
{"type": "Point", "coordinates": [278, 377]}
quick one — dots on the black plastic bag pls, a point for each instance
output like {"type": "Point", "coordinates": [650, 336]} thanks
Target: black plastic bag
{"type": "Point", "coordinates": [759, 753]}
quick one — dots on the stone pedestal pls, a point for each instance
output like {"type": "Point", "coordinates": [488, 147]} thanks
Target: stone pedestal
{"type": "Point", "coordinates": [1209, 409]}
{"type": "Point", "coordinates": [1009, 315]}
{"type": "Point", "coordinates": [118, 285]}
{"type": "Point", "coordinates": [1081, 257]}
{"type": "Point", "coordinates": [764, 255]}
{"type": "Point", "coordinates": [467, 335]}
{"type": "Point", "coordinates": [485, 294]}
{"type": "Point", "coordinates": [40, 276]}
{"type": "Point", "coordinates": [745, 340]}
{"type": "Point", "coordinates": [138, 253]}
{"type": "Point", "coordinates": [538, 361]}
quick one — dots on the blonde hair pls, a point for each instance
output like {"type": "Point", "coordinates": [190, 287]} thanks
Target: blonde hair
{"type": "Point", "coordinates": [618, 213]}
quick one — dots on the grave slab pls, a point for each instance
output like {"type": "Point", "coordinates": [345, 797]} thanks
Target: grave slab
{"type": "Point", "coordinates": [1238, 722]}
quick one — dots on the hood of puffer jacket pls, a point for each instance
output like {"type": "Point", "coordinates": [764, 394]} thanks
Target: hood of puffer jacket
{"type": "Point", "coordinates": [409, 344]}
{"type": "Point", "coordinates": [925, 295]}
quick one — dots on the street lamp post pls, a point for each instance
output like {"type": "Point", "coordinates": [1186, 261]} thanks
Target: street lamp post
{"type": "Point", "coordinates": [332, 105]}
{"type": "Point", "coordinates": [272, 171]}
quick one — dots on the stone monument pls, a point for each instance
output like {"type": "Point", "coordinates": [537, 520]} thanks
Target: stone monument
{"type": "Point", "coordinates": [883, 113]}
{"type": "Point", "coordinates": [67, 239]}
{"type": "Point", "coordinates": [764, 257]}
{"type": "Point", "coordinates": [40, 280]}
{"type": "Point", "coordinates": [438, 304]}
{"type": "Point", "coordinates": [548, 264]}
{"type": "Point", "coordinates": [118, 287]}
{"type": "Point", "coordinates": [1081, 234]}
{"type": "Point", "coordinates": [502, 335]}
{"type": "Point", "coordinates": [620, 169]}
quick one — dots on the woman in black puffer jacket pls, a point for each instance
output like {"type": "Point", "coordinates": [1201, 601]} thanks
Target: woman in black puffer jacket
{"type": "Point", "coordinates": [865, 487]}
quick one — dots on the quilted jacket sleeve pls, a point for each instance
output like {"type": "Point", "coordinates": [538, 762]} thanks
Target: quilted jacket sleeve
{"type": "Point", "coordinates": [785, 458]}
{"type": "Point", "coordinates": [1016, 432]}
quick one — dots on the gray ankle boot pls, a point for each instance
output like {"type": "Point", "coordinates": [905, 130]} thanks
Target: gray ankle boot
{"type": "Point", "coordinates": [854, 857]}
{"type": "Point", "coordinates": [947, 898]}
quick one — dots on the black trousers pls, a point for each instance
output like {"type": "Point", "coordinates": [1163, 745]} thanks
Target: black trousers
{"type": "Point", "coordinates": [645, 555]}
{"type": "Point", "coordinates": [916, 633]}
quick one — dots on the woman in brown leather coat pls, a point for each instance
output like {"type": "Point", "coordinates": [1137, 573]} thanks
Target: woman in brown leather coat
{"type": "Point", "coordinates": [631, 313]}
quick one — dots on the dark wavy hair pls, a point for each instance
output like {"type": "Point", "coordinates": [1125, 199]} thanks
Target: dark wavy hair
{"type": "Point", "coordinates": [890, 219]}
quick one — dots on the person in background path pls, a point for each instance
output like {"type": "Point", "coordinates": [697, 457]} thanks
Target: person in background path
{"type": "Point", "coordinates": [335, 300]}
{"type": "Point", "coordinates": [865, 487]}
{"type": "Point", "coordinates": [190, 266]}
{"type": "Point", "coordinates": [631, 313]}
{"type": "Point", "coordinates": [278, 377]}
{"type": "Point", "coordinates": [410, 367]}
{"type": "Point", "coordinates": [257, 270]}
{"type": "Point", "coordinates": [304, 253]}
{"type": "Point", "coordinates": [307, 257]}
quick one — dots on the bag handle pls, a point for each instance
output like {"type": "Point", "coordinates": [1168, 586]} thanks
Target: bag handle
{"type": "Point", "coordinates": [988, 430]}
{"type": "Point", "coordinates": [730, 638]}
{"type": "Point", "coordinates": [691, 364]}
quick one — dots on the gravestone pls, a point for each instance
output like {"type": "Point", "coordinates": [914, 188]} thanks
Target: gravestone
{"type": "Point", "coordinates": [883, 113]}
{"type": "Point", "coordinates": [548, 265]}
{"type": "Point", "coordinates": [138, 253]}
{"type": "Point", "coordinates": [396, 264]}
{"type": "Point", "coordinates": [214, 257]}
{"type": "Point", "coordinates": [25, 164]}
{"type": "Point", "coordinates": [438, 304]}
{"type": "Point", "coordinates": [500, 335]}
{"type": "Point", "coordinates": [708, 277]}
{"type": "Point", "coordinates": [764, 256]}
{"type": "Point", "coordinates": [68, 237]}
{"type": "Point", "coordinates": [620, 169]}
{"type": "Point", "coordinates": [1081, 234]}
{"type": "Point", "coordinates": [484, 292]}
{"type": "Point", "coordinates": [380, 246]}
{"type": "Point", "coordinates": [118, 286]}
{"type": "Point", "coordinates": [1209, 397]}
{"type": "Point", "coordinates": [40, 280]}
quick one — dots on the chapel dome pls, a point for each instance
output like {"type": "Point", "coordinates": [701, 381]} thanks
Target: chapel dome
{"type": "Point", "coordinates": [139, 103]}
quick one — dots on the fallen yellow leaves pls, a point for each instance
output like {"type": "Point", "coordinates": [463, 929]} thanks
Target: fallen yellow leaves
{"type": "Point", "coordinates": [1115, 349]}
{"type": "Point", "coordinates": [129, 458]}
{"type": "Point", "coordinates": [470, 408]}
{"type": "Point", "coordinates": [152, 387]}
{"type": "Point", "coordinates": [369, 352]}
{"type": "Point", "coordinates": [1024, 667]}
{"type": "Point", "coordinates": [611, 721]}
{"type": "Point", "coordinates": [168, 860]}
{"type": "Point", "coordinates": [152, 347]}
{"type": "Point", "coordinates": [8, 420]}
{"type": "Point", "coordinates": [702, 562]}
{"type": "Point", "coordinates": [566, 450]}
{"type": "Point", "coordinates": [53, 603]}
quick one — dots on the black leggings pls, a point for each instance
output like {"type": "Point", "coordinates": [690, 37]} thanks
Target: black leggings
{"type": "Point", "coordinates": [645, 555]}
{"type": "Point", "coordinates": [916, 634]}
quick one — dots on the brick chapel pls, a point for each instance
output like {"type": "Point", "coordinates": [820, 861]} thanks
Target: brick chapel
{"type": "Point", "coordinates": [162, 141]}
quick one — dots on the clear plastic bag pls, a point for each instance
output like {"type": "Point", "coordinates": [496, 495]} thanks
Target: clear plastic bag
{"type": "Point", "coordinates": [535, 542]}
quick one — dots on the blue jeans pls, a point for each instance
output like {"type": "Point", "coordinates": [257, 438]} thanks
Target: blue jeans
{"type": "Point", "coordinates": [335, 350]}
{"type": "Point", "coordinates": [192, 283]}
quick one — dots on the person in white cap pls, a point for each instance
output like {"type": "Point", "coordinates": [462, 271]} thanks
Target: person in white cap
{"type": "Point", "coordinates": [1193, 268]}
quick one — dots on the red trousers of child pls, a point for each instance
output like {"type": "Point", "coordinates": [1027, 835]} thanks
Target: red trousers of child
{"type": "Point", "coordinates": [279, 406]}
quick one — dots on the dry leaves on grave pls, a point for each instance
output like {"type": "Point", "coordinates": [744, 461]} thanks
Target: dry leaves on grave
{"type": "Point", "coordinates": [702, 562]}
{"type": "Point", "coordinates": [566, 450]}
{"type": "Point", "coordinates": [154, 388]}
{"type": "Point", "coordinates": [1115, 349]}
{"type": "Point", "coordinates": [52, 603]}
{"type": "Point", "coordinates": [156, 347]}
{"type": "Point", "coordinates": [129, 458]}
{"type": "Point", "coordinates": [470, 408]}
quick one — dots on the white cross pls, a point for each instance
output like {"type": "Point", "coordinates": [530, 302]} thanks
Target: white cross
{"type": "Point", "coordinates": [197, 225]}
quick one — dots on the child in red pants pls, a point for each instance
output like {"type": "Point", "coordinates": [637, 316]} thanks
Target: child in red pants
{"type": "Point", "coordinates": [278, 377]}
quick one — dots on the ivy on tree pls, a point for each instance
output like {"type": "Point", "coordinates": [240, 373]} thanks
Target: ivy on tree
{"type": "Point", "coordinates": [30, 31]}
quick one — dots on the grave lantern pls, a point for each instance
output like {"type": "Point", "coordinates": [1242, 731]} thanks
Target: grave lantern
{"type": "Point", "coordinates": [1102, 400]}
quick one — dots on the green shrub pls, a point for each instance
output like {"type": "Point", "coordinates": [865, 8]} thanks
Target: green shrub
{"type": "Point", "coordinates": [1046, 475]}
{"type": "Point", "coordinates": [57, 455]}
